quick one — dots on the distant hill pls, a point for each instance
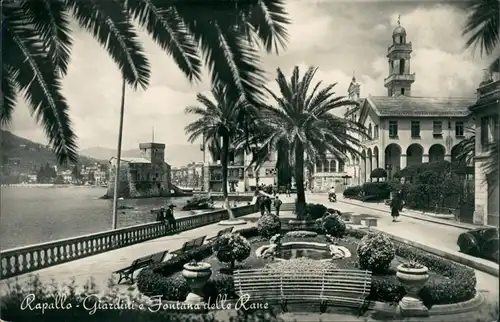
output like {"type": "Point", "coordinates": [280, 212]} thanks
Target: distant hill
{"type": "Point", "coordinates": [175, 155]}
{"type": "Point", "coordinates": [30, 154]}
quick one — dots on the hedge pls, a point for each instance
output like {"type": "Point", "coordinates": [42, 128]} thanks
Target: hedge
{"type": "Point", "coordinates": [459, 287]}
{"type": "Point", "coordinates": [370, 191]}
{"type": "Point", "coordinates": [78, 306]}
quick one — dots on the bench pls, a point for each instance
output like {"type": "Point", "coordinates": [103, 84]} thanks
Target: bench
{"type": "Point", "coordinates": [191, 244]}
{"type": "Point", "coordinates": [127, 273]}
{"type": "Point", "coordinates": [340, 287]}
{"type": "Point", "coordinates": [222, 232]}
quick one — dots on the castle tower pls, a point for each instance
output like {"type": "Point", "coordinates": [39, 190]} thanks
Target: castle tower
{"type": "Point", "coordinates": [155, 152]}
{"type": "Point", "coordinates": [354, 90]}
{"type": "Point", "coordinates": [399, 53]}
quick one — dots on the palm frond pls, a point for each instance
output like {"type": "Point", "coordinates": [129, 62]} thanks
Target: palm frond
{"type": "Point", "coordinates": [269, 19]}
{"type": "Point", "coordinates": [169, 31]}
{"type": "Point", "coordinates": [483, 25]}
{"type": "Point", "coordinates": [39, 82]}
{"type": "Point", "coordinates": [110, 24]}
{"type": "Point", "coordinates": [51, 22]}
{"type": "Point", "coordinates": [9, 95]}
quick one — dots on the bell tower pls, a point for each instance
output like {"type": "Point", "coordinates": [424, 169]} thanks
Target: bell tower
{"type": "Point", "coordinates": [399, 53]}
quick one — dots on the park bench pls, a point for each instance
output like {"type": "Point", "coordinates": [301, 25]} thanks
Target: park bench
{"type": "Point", "coordinates": [127, 273]}
{"type": "Point", "coordinates": [224, 231]}
{"type": "Point", "coordinates": [191, 244]}
{"type": "Point", "coordinates": [341, 287]}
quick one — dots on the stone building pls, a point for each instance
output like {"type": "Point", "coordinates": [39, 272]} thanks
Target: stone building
{"type": "Point", "coordinates": [147, 176]}
{"type": "Point", "coordinates": [404, 129]}
{"type": "Point", "coordinates": [486, 113]}
{"type": "Point", "coordinates": [241, 176]}
{"type": "Point", "coordinates": [189, 176]}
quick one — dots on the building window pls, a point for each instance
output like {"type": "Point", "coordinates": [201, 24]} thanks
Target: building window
{"type": "Point", "coordinates": [489, 131]}
{"type": "Point", "coordinates": [376, 132]}
{"type": "Point", "coordinates": [459, 128]}
{"type": "Point", "coordinates": [341, 166]}
{"type": "Point", "coordinates": [415, 129]}
{"type": "Point", "coordinates": [393, 129]}
{"type": "Point", "coordinates": [437, 128]}
{"type": "Point", "coordinates": [402, 91]}
{"type": "Point", "coordinates": [401, 66]}
{"type": "Point", "coordinates": [370, 131]}
{"type": "Point", "coordinates": [401, 39]}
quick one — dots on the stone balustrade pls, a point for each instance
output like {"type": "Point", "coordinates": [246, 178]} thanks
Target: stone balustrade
{"type": "Point", "coordinates": [21, 260]}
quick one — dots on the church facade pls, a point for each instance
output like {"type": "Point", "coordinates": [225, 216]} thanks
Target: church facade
{"type": "Point", "coordinates": [405, 129]}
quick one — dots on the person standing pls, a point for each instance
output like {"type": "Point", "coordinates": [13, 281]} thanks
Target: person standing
{"type": "Point", "coordinates": [277, 205]}
{"type": "Point", "coordinates": [288, 189]}
{"type": "Point", "coordinates": [170, 217]}
{"type": "Point", "coordinates": [262, 204]}
{"type": "Point", "coordinates": [269, 203]}
{"type": "Point", "coordinates": [395, 206]}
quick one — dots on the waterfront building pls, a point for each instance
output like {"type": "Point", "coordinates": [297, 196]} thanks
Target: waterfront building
{"type": "Point", "coordinates": [189, 176]}
{"type": "Point", "coordinates": [486, 112]}
{"type": "Point", "coordinates": [404, 129]}
{"type": "Point", "coordinates": [147, 176]}
{"type": "Point", "coordinates": [242, 177]}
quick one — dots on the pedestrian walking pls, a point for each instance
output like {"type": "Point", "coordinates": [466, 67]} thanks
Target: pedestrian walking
{"type": "Point", "coordinates": [268, 203]}
{"type": "Point", "coordinates": [288, 189]}
{"type": "Point", "coordinates": [395, 206]}
{"type": "Point", "coordinates": [277, 205]}
{"type": "Point", "coordinates": [262, 204]}
{"type": "Point", "coordinates": [170, 217]}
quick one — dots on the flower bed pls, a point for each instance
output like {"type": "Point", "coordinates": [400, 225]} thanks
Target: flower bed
{"type": "Point", "coordinates": [448, 283]}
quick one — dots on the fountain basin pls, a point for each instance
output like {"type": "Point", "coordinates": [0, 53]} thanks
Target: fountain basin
{"type": "Point", "coordinates": [312, 250]}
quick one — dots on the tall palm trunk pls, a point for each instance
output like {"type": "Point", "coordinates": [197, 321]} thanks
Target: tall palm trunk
{"type": "Point", "coordinates": [299, 181]}
{"type": "Point", "coordinates": [224, 162]}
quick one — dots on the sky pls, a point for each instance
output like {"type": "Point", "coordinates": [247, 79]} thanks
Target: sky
{"type": "Point", "coordinates": [338, 37]}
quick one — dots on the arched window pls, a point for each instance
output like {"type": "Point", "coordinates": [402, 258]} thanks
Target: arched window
{"type": "Point", "coordinates": [401, 39]}
{"type": "Point", "coordinates": [402, 91]}
{"type": "Point", "coordinates": [401, 66]}
{"type": "Point", "coordinates": [332, 166]}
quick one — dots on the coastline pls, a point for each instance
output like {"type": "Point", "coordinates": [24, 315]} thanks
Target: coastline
{"type": "Point", "coordinates": [47, 185]}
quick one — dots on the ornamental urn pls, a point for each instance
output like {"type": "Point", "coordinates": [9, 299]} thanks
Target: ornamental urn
{"type": "Point", "coordinates": [196, 275]}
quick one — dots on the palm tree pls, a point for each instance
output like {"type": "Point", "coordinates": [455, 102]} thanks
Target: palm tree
{"type": "Point", "coordinates": [467, 152]}
{"type": "Point", "coordinates": [302, 121]}
{"type": "Point", "coordinates": [219, 124]}
{"type": "Point", "coordinates": [36, 48]}
{"type": "Point", "coordinates": [483, 28]}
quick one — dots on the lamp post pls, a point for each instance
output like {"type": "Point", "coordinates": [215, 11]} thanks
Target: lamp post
{"type": "Point", "coordinates": [118, 159]}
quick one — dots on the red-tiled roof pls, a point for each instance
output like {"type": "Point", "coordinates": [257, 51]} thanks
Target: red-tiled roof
{"type": "Point", "coordinates": [421, 106]}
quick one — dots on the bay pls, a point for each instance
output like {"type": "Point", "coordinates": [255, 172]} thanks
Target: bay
{"type": "Point", "coordinates": [31, 215]}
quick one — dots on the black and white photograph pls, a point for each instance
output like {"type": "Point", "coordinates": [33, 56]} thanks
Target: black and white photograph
{"type": "Point", "coordinates": [249, 160]}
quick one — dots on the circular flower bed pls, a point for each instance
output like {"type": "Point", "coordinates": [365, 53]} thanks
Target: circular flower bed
{"type": "Point", "coordinates": [448, 282]}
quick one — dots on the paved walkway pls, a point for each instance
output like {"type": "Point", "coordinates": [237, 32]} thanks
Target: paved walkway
{"type": "Point", "coordinates": [100, 267]}
{"type": "Point", "coordinates": [412, 214]}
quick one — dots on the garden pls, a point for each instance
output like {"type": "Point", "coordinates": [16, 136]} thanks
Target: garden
{"type": "Point", "coordinates": [260, 247]}
{"type": "Point", "coordinates": [445, 282]}
{"type": "Point", "coordinates": [437, 186]}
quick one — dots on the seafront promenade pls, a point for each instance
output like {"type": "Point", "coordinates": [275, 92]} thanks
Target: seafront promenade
{"type": "Point", "coordinates": [100, 267]}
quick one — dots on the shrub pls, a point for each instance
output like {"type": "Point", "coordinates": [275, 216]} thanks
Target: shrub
{"type": "Point", "coordinates": [378, 190]}
{"type": "Point", "coordinates": [375, 252]}
{"type": "Point", "coordinates": [315, 210]}
{"type": "Point", "coordinates": [230, 248]}
{"type": "Point", "coordinates": [378, 173]}
{"type": "Point", "coordinates": [481, 242]}
{"type": "Point", "coordinates": [333, 224]}
{"type": "Point", "coordinates": [352, 191]}
{"type": "Point", "coordinates": [268, 225]}
{"type": "Point", "coordinates": [301, 234]}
